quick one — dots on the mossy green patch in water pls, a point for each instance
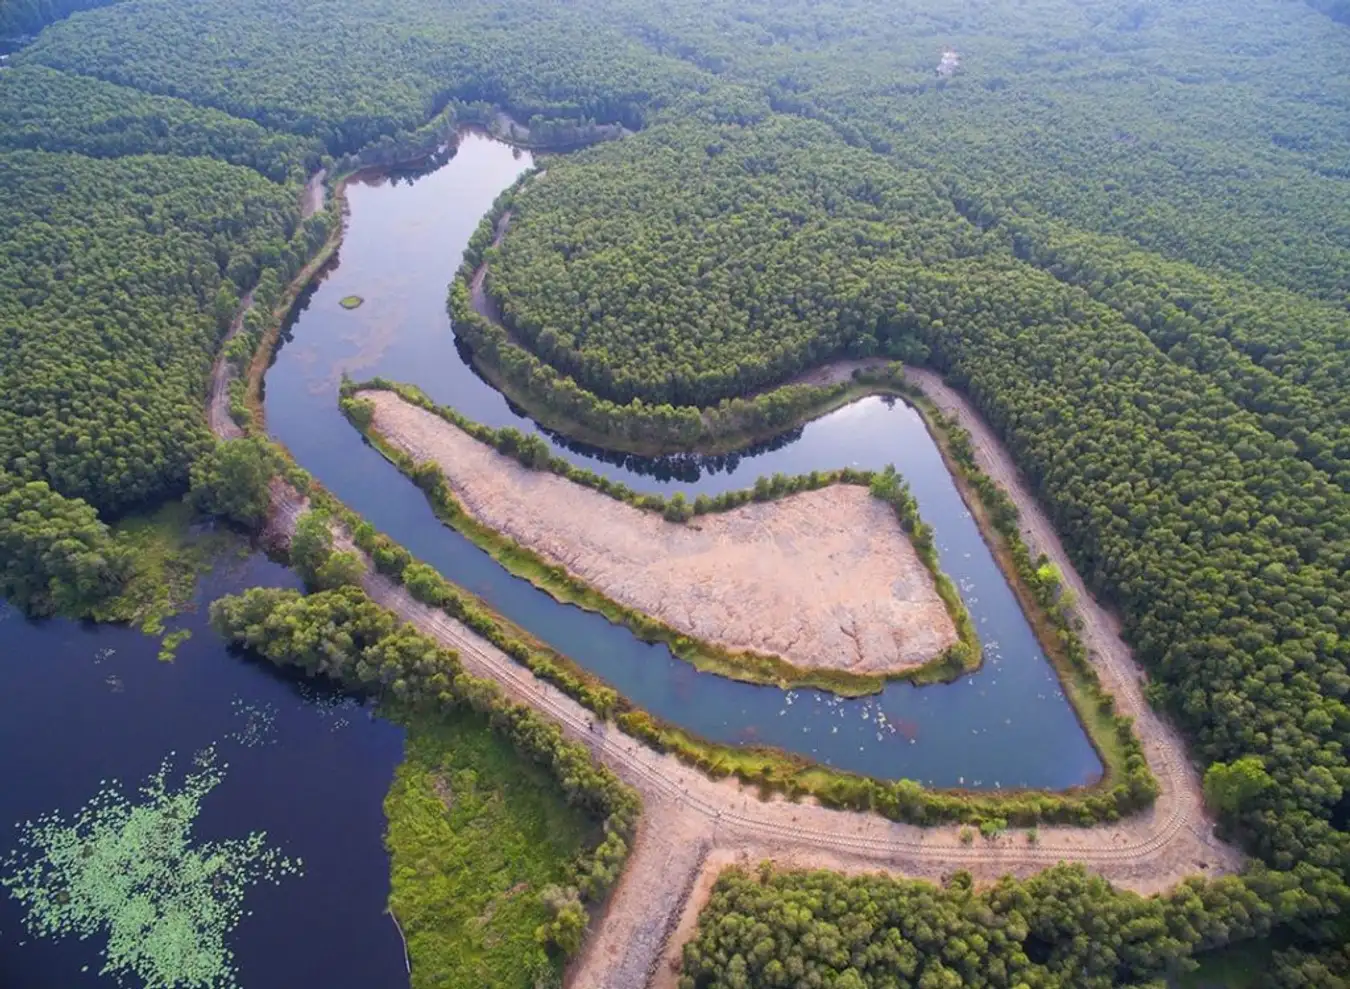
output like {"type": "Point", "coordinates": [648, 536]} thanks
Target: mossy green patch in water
{"type": "Point", "coordinates": [350, 301]}
{"type": "Point", "coordinates": [169, 647]}
{"type": "Point", "coordinates": [132, 869]}
{"type": "Point", "coordinates": [169, 554]}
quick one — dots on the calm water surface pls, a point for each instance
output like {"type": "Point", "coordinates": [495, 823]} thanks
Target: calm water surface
{"type": "Point", "coordinates": [85, 704]}
{"type": "Point", "coordinates": [1006, 726]}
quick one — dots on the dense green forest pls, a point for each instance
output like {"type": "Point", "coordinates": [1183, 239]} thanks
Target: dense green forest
{"type": "Point", "coordinates": [1061, 929]}
{"type": "Point", "coordinates": [1120, 226]}
{"type": "Point", "coordinates": [22, 17]}
{"type": "Point", "coordinates": [35, 112]}
{"type": "Point", "coordinates": [116, 281]}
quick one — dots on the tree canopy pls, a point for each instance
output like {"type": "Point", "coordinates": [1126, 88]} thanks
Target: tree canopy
{"type": "Point", "coordinates": [1120, 227]}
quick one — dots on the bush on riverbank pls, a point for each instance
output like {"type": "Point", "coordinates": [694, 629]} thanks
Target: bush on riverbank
{"type": "Point", "coordinates": [231, 481]}
{"type": "Point", "coordinates": [345, 636]}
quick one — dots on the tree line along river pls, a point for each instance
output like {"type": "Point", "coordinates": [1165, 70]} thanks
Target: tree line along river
{"type": "Point", "coordinates": [1008, 725]}
{"type": "Point", "coordinates": [86, 705]}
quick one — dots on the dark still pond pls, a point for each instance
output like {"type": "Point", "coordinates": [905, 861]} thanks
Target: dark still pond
{"type": "Point", "coordinates": [203, 822]}
{"type": "Point", "coordinates": [1006, 726]}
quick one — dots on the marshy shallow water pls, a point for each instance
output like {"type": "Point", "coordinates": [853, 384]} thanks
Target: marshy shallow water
{"type": "Point", "coordinates": [1008, 725]}
{"type": "Point", "coordinates": [242, 806]}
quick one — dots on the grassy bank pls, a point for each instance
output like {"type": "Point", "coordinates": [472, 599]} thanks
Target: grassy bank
{"type": "Point", "coordinates": [477, 835]}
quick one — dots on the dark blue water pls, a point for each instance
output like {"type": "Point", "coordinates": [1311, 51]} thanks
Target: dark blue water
{"type": "Point", "coordinates": [1008, 725]}
{"type": "Point", "coordinates": [83, 704]}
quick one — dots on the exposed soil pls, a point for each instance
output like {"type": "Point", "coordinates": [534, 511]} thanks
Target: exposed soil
{"type": "Point", "coordinates": [824, 579]}
{"type": "Point", "coordinates": [693, 827]}
{"type": "Point", "coordinates": [218, 416]}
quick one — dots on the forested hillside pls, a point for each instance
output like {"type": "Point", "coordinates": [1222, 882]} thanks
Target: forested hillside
{"type": "Point", "coordinates": [116, 279]}
{"type": "Point", "coordinates": [348, 72]}
{"type": "Point", "coordinates": [21, 17]}
{"type": "Point", "coordinates": [36, 113]}
{"type": "Point", "coordinates": [1121, 226]}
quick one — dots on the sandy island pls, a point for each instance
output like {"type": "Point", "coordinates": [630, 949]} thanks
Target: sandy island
{"type": "Point", "coordinates": [825, 579]}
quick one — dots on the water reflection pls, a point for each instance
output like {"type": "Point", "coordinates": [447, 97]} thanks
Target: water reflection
{"type": "Point", "coordinates": [1008, 725]}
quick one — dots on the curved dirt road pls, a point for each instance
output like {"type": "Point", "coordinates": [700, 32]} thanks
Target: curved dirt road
{"type": "Point", "coordinates": [218, 417]}
{"type": "Point", "coordinates": [692, 826]}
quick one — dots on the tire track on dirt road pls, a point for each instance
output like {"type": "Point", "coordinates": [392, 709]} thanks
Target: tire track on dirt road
{"type": "Point", "coordinates": [693, 826]}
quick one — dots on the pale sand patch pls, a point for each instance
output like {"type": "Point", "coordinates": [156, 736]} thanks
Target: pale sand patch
{"type": "Point", "coordinates": [824, 579]}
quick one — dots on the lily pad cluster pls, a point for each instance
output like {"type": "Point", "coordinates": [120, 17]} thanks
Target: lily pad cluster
{"type": "Point", "coordinates": [130, 868]}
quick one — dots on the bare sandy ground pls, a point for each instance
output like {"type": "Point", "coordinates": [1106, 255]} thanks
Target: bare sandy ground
{"type": "Point", "coordinates": [824, 579]}
{"type": "Point", "coordinates": [693, 827]}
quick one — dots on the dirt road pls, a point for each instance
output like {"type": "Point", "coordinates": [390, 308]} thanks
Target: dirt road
{"type": "Point", "coordinates": [218, 402]}
{"type": "Point", "coordinates": [693, 826]}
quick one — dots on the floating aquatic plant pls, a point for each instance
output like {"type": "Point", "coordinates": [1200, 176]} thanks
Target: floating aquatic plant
{"type": "Point", "coordinates": [330, 706]}
{"type": "Point", "coordinates": [259, 723]}
{"type": "Point", "coordinates": [132, 869]}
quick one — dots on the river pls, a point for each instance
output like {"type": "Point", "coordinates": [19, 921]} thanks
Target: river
{"type": "Point", "coordinates": [86, 705]}
{"type": "Point", "coordinates": [1008, 725]}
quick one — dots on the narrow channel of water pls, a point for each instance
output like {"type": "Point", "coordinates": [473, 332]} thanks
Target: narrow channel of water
{"type": "Point", "coordinates": [1008, 725]}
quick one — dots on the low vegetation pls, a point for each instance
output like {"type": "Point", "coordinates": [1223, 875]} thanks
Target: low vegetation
{"type": "Point", "coordinates": [343, 635]}
{"type": "Point", "coordinates": [482, 840]}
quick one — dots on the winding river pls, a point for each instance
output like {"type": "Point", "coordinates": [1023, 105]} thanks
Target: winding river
{"type": "Point", "coordinates": [1008, 725]}
{"type": "Point", "coordinates": [85, 705]}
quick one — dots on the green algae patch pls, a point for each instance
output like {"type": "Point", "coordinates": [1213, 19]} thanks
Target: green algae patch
{"type": "Point", "coordinates": [350, 301]}
{"type": "Point", "coordinates": [130, 868]}
{"type": "Point", "coordinates": [169, 553]}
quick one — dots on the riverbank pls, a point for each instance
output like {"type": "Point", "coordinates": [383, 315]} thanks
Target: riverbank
{"type": "Point", "coordinates": [1123, 786]}
{"type": "Point", "coordinates": [688, 813]}
{"type": "Point", "coordinates": [705, 824]}
{"type": "Point", "coordinates": [557, 403]}
{"type": "Point", "coordinates": [826, 579]}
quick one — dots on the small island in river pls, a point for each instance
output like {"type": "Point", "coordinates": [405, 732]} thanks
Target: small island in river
{"type": "Point", "coordinates": [824, 579]}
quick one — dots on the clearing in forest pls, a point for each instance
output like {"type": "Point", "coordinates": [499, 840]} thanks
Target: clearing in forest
{"type": "Point", "coordinates": [825, 579]}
